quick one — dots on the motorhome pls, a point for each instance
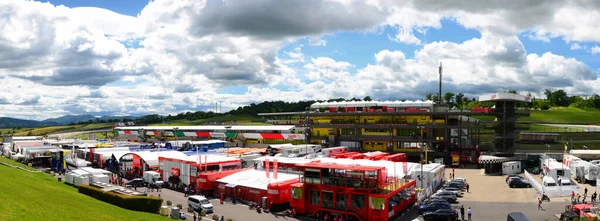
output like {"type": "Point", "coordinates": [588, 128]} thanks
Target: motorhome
{"type": "Point", "coordinates": [153, 178]}
{"type": "Point", "coordinates": [584, 171]}
{"type": "Point", "coordinates": [557, 170]}
{"type": "Point", "coordinates": [300, 150]}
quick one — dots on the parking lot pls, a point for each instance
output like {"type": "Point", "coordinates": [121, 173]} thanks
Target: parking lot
{"type": "Point", "coordinates": [490, 198]}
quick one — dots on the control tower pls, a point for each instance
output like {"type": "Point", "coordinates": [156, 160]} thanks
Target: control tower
{"type": "Point", "coordinates": [506, 113]}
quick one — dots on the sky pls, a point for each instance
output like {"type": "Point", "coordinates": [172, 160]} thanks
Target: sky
{"type": "Point", "coordinates": [115, 57]}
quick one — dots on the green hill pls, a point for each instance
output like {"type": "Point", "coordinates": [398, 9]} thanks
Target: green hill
{"type": "Point", "coordinates": [247, 120]}
{"type": "Point", "coordinates": [559, 115]}
{"type": "Point", "coordinates": [564, 115]}
{"type": "Point", "coordinates": [38, 196]}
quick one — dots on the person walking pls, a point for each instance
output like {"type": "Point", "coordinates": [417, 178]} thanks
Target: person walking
{"type": "Point", "coordinates": [462, 212]}
{"type": "Point", "coordinates": [469, 213]}
{"type": "Point", "coordinates": [540, 204]}
{"type": "Point", "coordinates": [195, 216]}
{"type": "Point", "coordinates": [578, 197]}
{"type": "Point", "coordinates": [467, 187]}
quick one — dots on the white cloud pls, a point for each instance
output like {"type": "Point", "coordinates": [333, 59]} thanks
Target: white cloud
{"type": "Point", "coordinates": [595, 49]}
{"type": "Point", "coordinates": [58, 60]}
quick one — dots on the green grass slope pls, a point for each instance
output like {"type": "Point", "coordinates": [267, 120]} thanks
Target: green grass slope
{"type": "Point", "coordinates": [564, 115]}
{"type": "Point", "coordinates": [38, 196]}
{"type": "Point", "coordinates": [253, 121]}
{"type": "Point", "coordinates": [559, 115]}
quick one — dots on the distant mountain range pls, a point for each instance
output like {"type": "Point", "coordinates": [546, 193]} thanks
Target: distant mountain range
{"type": "Point", "coordinates": [8, 122]}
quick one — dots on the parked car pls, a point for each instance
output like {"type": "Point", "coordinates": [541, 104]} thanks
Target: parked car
{"type": "Point", "coordinates": [518, 183]}
{"type": "Point", "coordinates": [451, 197]}
{"type": "Point", "coordinates": [434, 199]}
{"type": "Point", "coordinates": [517, 216]}
{"type": "Point", "coordinates": [456, 191]}
{"type": "Point", "coordinates": [433, 206]}
{"type": "Point", "coordinates": [199, 203]}
{"type": "Point", "coordinates": [514, 175]}
{"type": "Point", "coordinates": [453, 185]}
{"type": "Point", "coordinates": [460, 180]}
{"type": "Point", "coordinates": [441, 214]}
{"type": "Point", "coordinates": [137, 182]}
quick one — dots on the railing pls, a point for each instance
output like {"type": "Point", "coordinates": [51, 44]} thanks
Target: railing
{"type": "Point", "coordinates": [342, 182]}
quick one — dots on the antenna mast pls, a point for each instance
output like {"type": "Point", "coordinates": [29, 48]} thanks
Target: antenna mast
{"type": "Point", "coordinates": [440, 93]}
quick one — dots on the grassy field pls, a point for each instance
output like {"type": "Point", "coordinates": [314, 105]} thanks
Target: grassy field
{"type": "Point", "coordinates": [564, 115]}
{"type": "Point", "coordinates": [54, 129]}
{"type": "Point", "coordinates": [248, 120]}
{"type": "Point", "coordinates": [559, 115]}
{"type": "Point", "coordinates": [38, 196]}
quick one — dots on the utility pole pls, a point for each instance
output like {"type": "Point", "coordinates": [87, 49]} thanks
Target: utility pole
{"type": "Point", "coordinates": [440, 93]}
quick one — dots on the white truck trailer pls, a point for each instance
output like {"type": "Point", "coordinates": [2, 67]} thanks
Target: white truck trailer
{"type": "Point", "coordinates": [153, 178]}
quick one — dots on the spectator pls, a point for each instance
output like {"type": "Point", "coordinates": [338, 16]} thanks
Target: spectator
{"type": "Point", "coordinates": [462, 212]}
{"type": "Point", "coordinates": [540, 204]}
{"type": "Point", "coordinates": [469, 213]}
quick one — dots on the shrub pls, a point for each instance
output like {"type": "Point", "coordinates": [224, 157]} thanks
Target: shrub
{"type": "Point", "coordinates": [202, 213]}
{"type": "Point", "coordinates": [169, 203]}
{"type": "Point", "coordinates": [596, 218]}
{"type": "Point", "coordinates": [179, 206]}
{"type": "Point", "coordinates": [136, 203]}
{"type": "Point", "coordinates": [215, 217]}
{"type": "Point", "coordinates": [229, 219]}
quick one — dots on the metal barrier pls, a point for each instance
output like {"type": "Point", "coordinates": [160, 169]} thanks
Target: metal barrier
{"type": "Point", "coordinates": [551, 191]}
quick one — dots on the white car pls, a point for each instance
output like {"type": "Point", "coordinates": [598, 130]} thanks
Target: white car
{"type": "Point", "coordinates": [199, 202]}
{"type": "Point", "coordinates": [456, 191]}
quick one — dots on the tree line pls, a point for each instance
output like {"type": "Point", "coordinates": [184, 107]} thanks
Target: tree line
{"type": "Point", "coordinates": [558, 98]}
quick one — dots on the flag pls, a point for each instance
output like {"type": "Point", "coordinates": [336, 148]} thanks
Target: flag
{"type": "Point", "coordinates": [565, 148]}
{"type": "Point", "coordinates": [275, 169]}
{"type": "Point", "coordinates": [267, 167]}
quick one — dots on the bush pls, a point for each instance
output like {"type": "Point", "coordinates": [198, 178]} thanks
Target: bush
{"type": "Point", "coordinates": [202, 213]}
{"type": "Point", "coordinates": [136, 203]}
{"type": "Point", "coordinates": [215, 217]}
{"type": "Point", "coordinates": [169, 203]}
{"type": "Point", "coordinates": [179, 206]}
{"type": "Point", "coordinates": [229, 219]}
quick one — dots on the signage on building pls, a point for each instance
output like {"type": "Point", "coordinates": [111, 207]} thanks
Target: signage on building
{"type": "Point", "coordinates": [175, 171]}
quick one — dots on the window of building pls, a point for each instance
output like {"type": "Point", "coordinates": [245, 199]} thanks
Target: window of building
{"type": "Point", "coordinates": [358, 201]}
{"type": "Point", "coordinates": [315, 197]}
{"type": "Point", "coordinates": [327, 199]}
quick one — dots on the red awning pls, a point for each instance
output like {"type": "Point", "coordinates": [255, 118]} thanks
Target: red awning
{"type": "Point", "coordinates": [203, 134]}
{"type": "Point", "coordinates": [272, 136]}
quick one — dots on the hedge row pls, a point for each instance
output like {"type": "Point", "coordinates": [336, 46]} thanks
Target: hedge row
{"type": "Point", "coordinates": [137, 203]}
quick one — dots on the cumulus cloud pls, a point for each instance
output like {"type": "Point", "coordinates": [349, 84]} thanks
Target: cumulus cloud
{"type": "Point", "coordinates": [40, 42]}
{"type": "Point", "coordinates": [176, 55]}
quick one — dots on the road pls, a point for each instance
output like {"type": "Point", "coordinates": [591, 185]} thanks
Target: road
{"type": "Point", "coordinates": [234, 211]}
{"type": "Point", "coordinates": [586, 128]}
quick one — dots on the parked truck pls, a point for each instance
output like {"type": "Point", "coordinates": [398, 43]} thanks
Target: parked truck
{"type": "Point", "coordinates": [152, 178]}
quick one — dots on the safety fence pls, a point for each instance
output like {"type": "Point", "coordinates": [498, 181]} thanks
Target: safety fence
{"type": "Point", "coordinates": [551, 191]}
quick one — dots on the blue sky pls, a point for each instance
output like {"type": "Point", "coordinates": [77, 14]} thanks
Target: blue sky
{"type": "Point", "coordinates": [178, 56]}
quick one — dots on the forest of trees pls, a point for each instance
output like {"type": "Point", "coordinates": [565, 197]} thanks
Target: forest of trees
{"type": "Point", "coordinates": [557, 98]}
